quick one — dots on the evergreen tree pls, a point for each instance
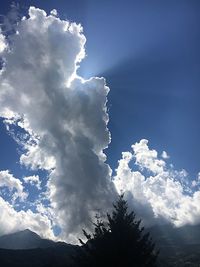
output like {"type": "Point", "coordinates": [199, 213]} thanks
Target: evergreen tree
{"type": "Point", "coordinates": [119, 242]}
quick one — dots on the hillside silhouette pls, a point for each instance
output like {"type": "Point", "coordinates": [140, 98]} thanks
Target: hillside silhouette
{"type": "Point", "coordinates": [118, 241]}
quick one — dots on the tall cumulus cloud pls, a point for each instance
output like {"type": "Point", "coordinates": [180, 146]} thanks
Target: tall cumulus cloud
{"type": "Point", "coordinates": [64, 116]}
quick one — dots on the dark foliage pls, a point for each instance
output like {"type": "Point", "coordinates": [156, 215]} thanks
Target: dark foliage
{"type": "Point", "coordinates": [119, 242]}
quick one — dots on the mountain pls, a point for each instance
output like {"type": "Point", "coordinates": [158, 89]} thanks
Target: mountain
{"type": "Point", "coordinates": [24, 240]}
{"type": "Point", "coordinates": [168, 235]}
{"type": "Point", "coordinates": [177, 246]}
{"type": "Point", "coordinates": [27, 249]}
{"type": "Point", "coordinates": [59, 256]}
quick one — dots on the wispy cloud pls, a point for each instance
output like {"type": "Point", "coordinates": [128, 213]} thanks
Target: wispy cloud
{"type": "Point", "coordinates": [33, 180]}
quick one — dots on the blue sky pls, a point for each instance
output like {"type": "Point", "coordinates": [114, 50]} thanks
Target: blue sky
{"type": "Point", "coordinates": [149, 55]}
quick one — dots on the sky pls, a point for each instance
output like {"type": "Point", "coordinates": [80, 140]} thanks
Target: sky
{"type": "Point", "coordinates": [98, 98]}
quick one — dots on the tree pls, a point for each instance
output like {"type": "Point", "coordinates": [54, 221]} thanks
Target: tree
{"type": "Point", "coordinates": [118, 242]}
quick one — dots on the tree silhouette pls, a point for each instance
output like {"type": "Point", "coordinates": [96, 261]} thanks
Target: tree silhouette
{"type": "Point", "coordinates": [118, 242]}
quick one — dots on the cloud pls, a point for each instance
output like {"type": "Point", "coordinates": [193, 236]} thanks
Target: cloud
{"type": "Point", "coordinates": [3, 43]}
{"type": "Point", "coordinates": [54, 12]}
{"type": "Point", "coordinates": [37, 158]}
{"type": "Point", "coordinates": [157, 189]}
{"type": "Point", "coordinates": [12, 183]}
{"type": "Point", "coordinates": [9, 21]}
{"type": "Point", "coordinates": [33, 180]}
{"type": "Point", "coordinates": [165, 155]}
{"type": "Point", "coordinates": [12, 220]}
{"type": "Point", "coordinates": [64, 117]}
{"type": "Point", "coordinates": [147, 159]}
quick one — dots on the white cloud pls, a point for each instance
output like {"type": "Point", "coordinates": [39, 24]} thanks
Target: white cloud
{"type": "Point", "coordinates": [161, 191]}
{"type": "Point", "coordinates": [146, 158]}
{"type": "Point", "coordinates": [33, 180]}
{"type": "Point", "coordinates": [12, 220]}
{"type": "Point", "coordinates": [64, 115]}
{"type": "Point", "coordinates": [3, 43]}
{"type": "Point", "coordinates": [37, 158]}
{"type": "Point", "coordinates": [8, 180]}
{"type": "Point", "coordinates": [165, 155]}
{"type": "Point", "coordinates": [54, 12]}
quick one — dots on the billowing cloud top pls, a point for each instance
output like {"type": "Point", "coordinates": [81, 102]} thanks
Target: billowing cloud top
{"type": "Point", "coordinates": [157, 190]}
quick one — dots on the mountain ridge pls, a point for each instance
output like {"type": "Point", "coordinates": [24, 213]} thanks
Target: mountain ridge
{"type": "Point", "coordinates": [25, 239]}
{"type": "Point", "coordinates": [177, 246]}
